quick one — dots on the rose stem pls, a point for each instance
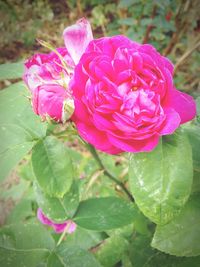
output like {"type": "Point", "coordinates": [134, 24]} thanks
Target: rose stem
{"type": "Point", "coordinates": [107, 173]}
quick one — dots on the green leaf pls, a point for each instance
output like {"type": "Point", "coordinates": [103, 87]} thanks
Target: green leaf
{"type": "Point", "coordinates": [11, 70]}
{"type": "Point", "coordinates": [111, 251]}
{"type": "Point", "coordinates": [20, 212]}
{"type": "Point", "coordinates": [85, 239]}
{"type": "Point", "coordinates": [140, 251]}
{"type": "Point", "coordinates": [164, 260]}
{"type": "Point", "coordinates": [142, 255]}
{"type": "Point", "coordinates": [10, 157]}
{"type": "Point", "coordinates": [26, 171]}
{"type": "Point", "coordinates": [161, 180]}
{"type": "Point", "coordinates": [104, 213]}
{"type": "Point", "coordinates": [125, 231]}
{"type": "Point", "coordinates": [69, 256]}
{"type": "Point", "coordinates": [58, 209]}
{"type": "Point", "coordinates": [196, 182]}
{"type": "Point", "coordinates": [52, 166]}
{"type": "Point", "coordinates": [198, 105]}
{"type": "Point", "coordinates": [24, 245]}
{"type": "Point", "coordinates": [193, 132]}
{"type": "Point", "coordinates": [181, 236]}
{"type": "Point", "coordinates": [19, 127]}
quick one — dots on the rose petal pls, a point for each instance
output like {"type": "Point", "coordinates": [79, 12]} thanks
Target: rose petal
{"type": "Point", "coordinates": [135, 146]}
{"type": "Point", "coordinates": [96, 138]}
{"type": "Point", "coordinates": [182, 103]}
{"type": "Point", "coordinates": [172, 122]}
{"type": "Point", "coordinates": [58, 227]}
{"type": "Point", "coordinates": [77, 38]}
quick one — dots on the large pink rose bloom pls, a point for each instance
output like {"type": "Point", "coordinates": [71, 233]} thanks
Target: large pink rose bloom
{"type": "Point", "coordinates": [125, 97]}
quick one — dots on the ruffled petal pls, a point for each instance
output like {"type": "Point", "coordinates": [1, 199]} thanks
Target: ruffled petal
{"type": "Point", "coordinates": [135, 146]}
{"type": "Point", "coordinates": [77, 38]}
{"type": "Point", "coordinates": [182, 103]}
{"type": "Point", "coordinates": [172, 122]}
{"type": "Point", "coordinates": [96, 138]}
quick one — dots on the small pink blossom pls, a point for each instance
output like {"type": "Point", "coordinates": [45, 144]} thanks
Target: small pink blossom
{"type": "Point", "coordinates": [58, 227]}
{"type": "Point", "coordinates": [48, 75]}
{"type": "Point", "coordinates": [48, 79]}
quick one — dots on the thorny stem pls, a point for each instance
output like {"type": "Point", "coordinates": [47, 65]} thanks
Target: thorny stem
{"type": "Point", "coordinates": [107, 173]}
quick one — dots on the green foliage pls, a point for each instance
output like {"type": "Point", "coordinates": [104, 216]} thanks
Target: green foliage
{"type": "Point", "coordinates": [58, 208]}
{"type": "Point", "coordinates": [21, 212]}
{"type": "Point", "coordinates": [181, 236]}
{"type": "Point", "coordinates": [52, 166]}
{"type": "Point", "coordinates": [20, 128]}
{"type": "Point", "coordinates": [193, 132]}
{"type": "Point", "coordinates": [161, 180]}
{"type": "Point", "coordinates": [24, 245]}
{"type": "Point", "coordinates": [104, 213]}
{"type": "Point", "coordinates": [69, 256]}
{"type": "Point", "coordinates": [112, 250]}
{"type": "Point", "coordinates": [85, 239]}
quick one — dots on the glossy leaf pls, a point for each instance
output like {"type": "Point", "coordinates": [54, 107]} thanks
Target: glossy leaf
{"type": "Point", "coordinates": [24, 245]}
{"type": "Point", "coordinates": [104, 213]}
{"type": "Point", "coordinates": [19, 127]}
{"type": "Point", "coordinates": [52, 166]}
{"type": "Point", "coordinates": [181, 236]}
{"type": "Point", "coordinates": [161, 180]}
{"type": "Point", "coordinates": [11, 70]}
{"type": "Point", "coordinates": [85, 239]}
{"type": "Point", "coordinates": [111, 251]}
{"type": "Point", "coordinates": [58, 209]}
{"type": "Point", "coordinates": [196, 182]}
{"type": "Point", "coordinates": [141, 254]}
{"type": "Point", "coordinates": [193, 132]}
{"type": "Point", "coordinates": [21, 211]}
{"type": "Point", "coordinates": [70, 256]}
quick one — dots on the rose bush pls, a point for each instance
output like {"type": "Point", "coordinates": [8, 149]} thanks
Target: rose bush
{"type": "Point", "coordinates": [124, 96]}
{"type": "Point", "coordinates": [125, 100]}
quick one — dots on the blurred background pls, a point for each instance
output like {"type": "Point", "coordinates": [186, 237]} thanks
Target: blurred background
{"type": "Point", "coordinates": [172, 26]}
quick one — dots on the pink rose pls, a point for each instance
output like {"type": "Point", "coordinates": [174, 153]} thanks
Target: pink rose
{"type": "Point", "coordinates": [48, 79]}
{"type": "Point", "coordinates": [124, 96]}
{"type": "Point", "coordinates": [48, 75]}
{"type": "Point", "coordinates": [58, 227]}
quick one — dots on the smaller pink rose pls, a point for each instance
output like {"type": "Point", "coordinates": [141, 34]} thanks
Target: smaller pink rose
{"type": "Point", "coordinates": [58, 227]}
{"type": "Point", "coordinates": [47, 77]}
